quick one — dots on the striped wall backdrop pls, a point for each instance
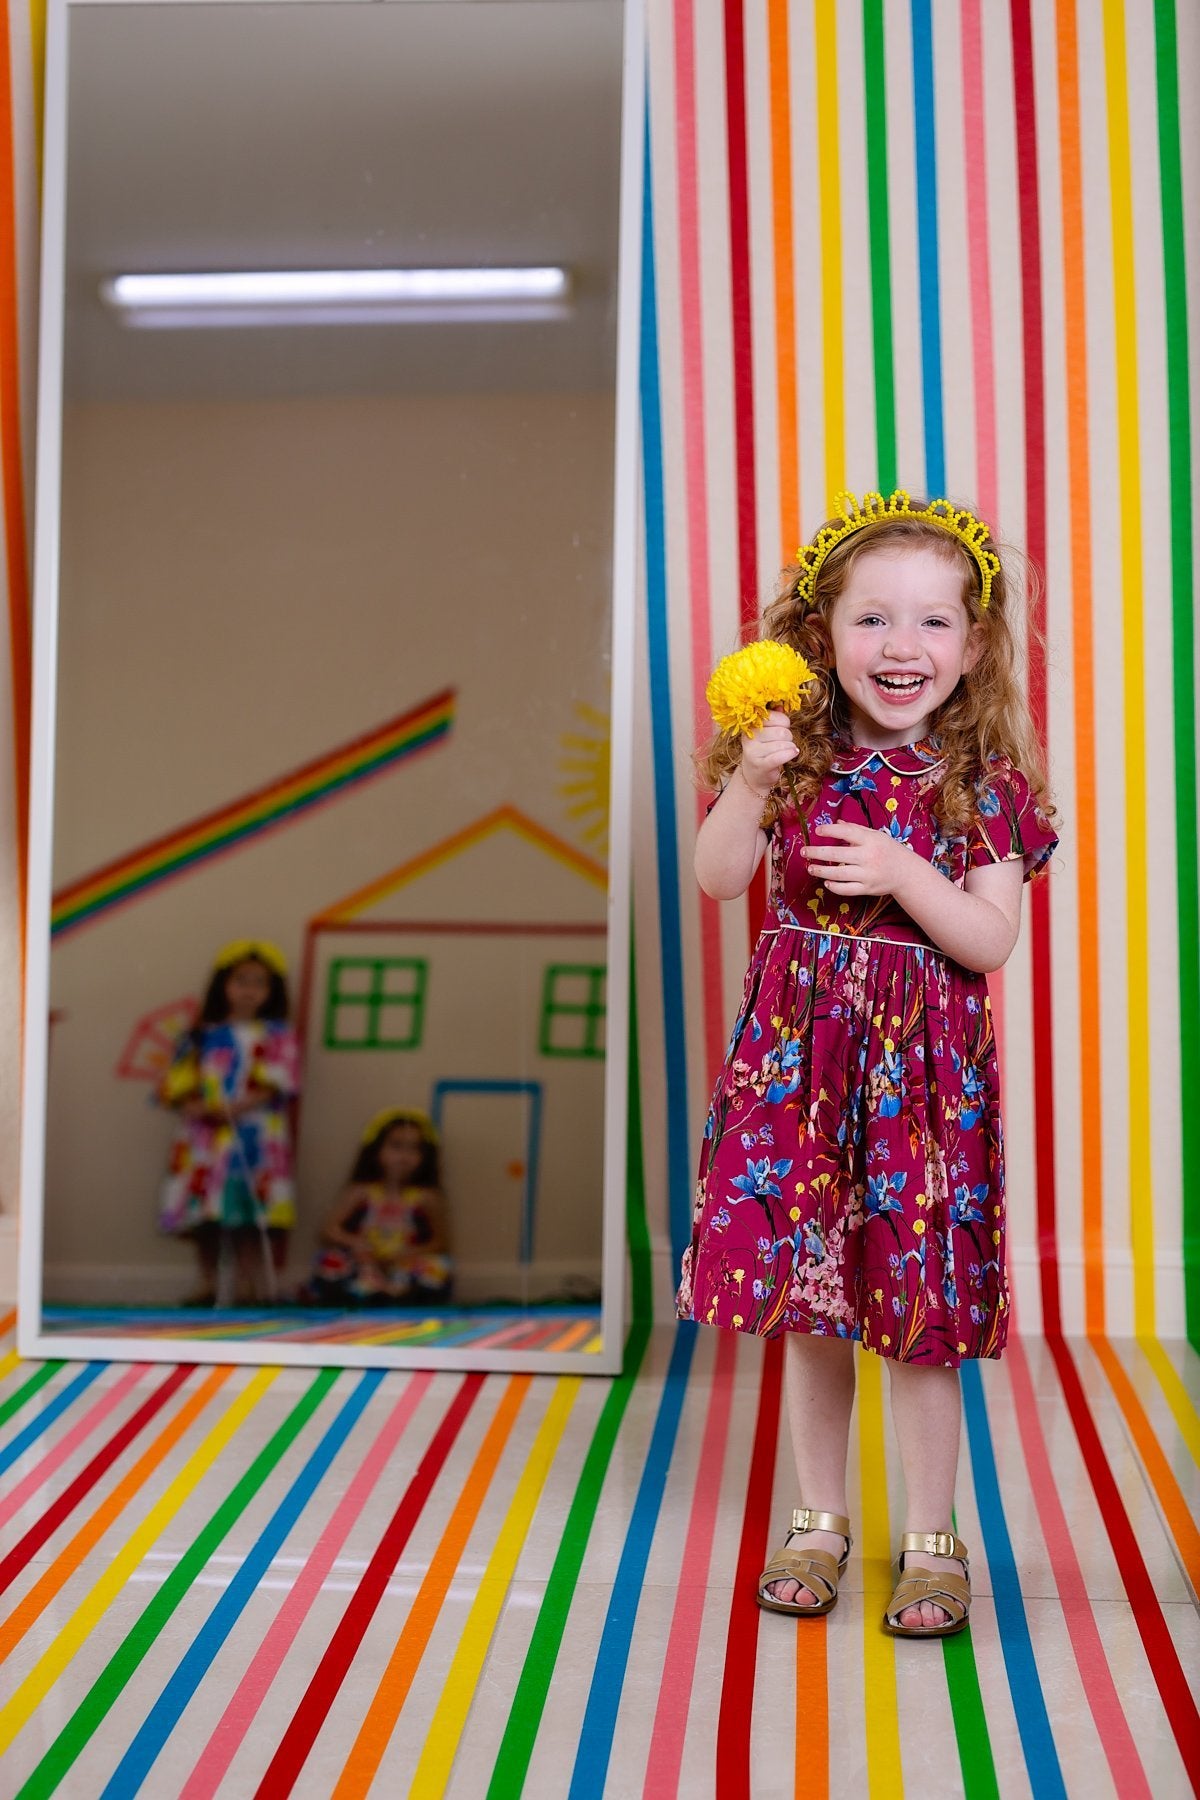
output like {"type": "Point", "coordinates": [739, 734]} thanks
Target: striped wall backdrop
{"type": "Point", "coordinates": [940, 243]}
{"type": "Point", "coordinates": [933, 242]}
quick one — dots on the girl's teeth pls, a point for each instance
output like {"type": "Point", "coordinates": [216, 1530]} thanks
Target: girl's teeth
{"type": "Point", "coordinates": [908, 686]}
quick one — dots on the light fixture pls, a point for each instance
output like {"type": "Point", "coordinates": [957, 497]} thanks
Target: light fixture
{"type": "Point", "coordinates": [337, 296]}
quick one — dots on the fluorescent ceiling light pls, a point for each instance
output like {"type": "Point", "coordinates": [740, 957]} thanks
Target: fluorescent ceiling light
{"type": "Point", "coordinates": [337, 296]}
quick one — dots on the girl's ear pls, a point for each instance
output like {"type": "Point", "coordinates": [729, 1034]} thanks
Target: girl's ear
{"type": "Point", "coordinates": [974, 647]}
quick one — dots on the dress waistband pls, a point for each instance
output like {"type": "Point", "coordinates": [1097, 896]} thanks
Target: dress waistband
{"type": "Point", "coordinates": [851, 937]}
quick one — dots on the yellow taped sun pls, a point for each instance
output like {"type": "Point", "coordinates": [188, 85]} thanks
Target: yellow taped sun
{"type": "Point", "coordinates": [583, 765]}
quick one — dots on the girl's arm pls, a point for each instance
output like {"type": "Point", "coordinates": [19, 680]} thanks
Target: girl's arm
{"type": "Point", "coordinates": [731, 841]}
{"type": "Point", "coordinates": [336, 1227]}
{"type": "Point", "coordinates": [976, 924]}
{"type": "Point", "coordinates": [433, 1208]}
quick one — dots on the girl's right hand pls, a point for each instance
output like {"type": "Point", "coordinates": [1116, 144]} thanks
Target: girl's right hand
{"type": "Point", "coordinates": [766, 752]}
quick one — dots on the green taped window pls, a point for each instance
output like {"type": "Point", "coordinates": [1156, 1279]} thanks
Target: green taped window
{"type": "Point", "coordinates": [375, 1003]}
{"type": "Point", "coordinates": [573, 1007]}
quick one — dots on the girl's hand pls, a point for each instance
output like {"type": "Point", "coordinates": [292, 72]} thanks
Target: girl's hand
{"type": "Point", "coordinates": [766, 752]}
{"type": "Point", "coordinates": [864, 862]}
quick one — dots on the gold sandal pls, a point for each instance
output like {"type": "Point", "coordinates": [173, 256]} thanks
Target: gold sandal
{"type": "Point", "coordinates": [817, 1570]}
{"type": "Point", "coordinates": [950, 1592]}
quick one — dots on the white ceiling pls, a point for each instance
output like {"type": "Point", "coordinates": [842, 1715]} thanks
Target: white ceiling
{"type": "Point", "coordinates": [342, 134]}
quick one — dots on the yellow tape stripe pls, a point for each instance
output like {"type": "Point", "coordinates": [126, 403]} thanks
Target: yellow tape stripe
{"type": "Point", "coordinates": [829, 168]}
{"type": "Point", "coordinates": [46, 1671]}
{"type": "Point", "coordinates": [1177, 1396]}
{"type": "Point", "coordinates": [8, 1363]}
{"type": "Point", "coordinates": [882, 1717]}
{"type": "Point", "coordinates": [1141, 1215]}
{"type": "Point", "coordinates": [433, 1771]}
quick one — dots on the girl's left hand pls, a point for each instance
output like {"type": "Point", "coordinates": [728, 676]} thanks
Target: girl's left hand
{"type": "Point", "coordinates": [864, 862]}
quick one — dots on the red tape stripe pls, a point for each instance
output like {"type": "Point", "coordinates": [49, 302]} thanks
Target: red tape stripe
{"type": "Point", "coordinates": [27, 1547]}
{"type": "Point", "coordinates": [322, 1690]}
{"type": "Point", "coordinates": [741, 1642]}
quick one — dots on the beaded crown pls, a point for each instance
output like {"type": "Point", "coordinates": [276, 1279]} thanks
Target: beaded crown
{"type": "Point", "coordinates": [875, 510]}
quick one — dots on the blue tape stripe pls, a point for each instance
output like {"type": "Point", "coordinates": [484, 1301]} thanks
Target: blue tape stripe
{"type": "Point", "coordinates": [48, 1414]}
{"type": "Point", "coordinates": [612, 1658]}
{"type": "Point", "coordinates": [165, 1714]}
{"type": "Point", "coordinates": [670, 925]}
{"type": "Point", "coordinates": [925, 131]}
{"type": "Point", "coordinates": [1029, 1704]}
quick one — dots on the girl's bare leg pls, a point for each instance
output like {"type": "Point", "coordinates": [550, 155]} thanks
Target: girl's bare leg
{"type": "Point", "coordinates": [927, 1413]}
{"type": "Point", "coordinates": [819, 1391]}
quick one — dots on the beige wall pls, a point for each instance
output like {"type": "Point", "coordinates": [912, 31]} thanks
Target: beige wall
{"type": "Point", "coordinates": [244, 588]}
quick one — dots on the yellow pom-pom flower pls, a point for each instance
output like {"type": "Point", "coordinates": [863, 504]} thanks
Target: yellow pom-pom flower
{"type": "Point", "coordinates": [745, 687]}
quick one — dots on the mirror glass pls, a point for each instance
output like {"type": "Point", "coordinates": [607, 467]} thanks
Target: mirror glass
{"type": "Point", "coordinates": [332, 997]}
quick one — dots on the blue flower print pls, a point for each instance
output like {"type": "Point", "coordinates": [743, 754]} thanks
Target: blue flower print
{"type": "Point", "coordinates": [788, 1078]}
{"type": "Point", "coordinates": [880, 1192]}
{"type": "Point", "coordinates": [901, 836]}
{"type": "Point", "coordinates": [889, 1075]}
{"type": "Point", "coordinates": [973, 1097]}
{"type": "Point", "coordinates": [858, 783]}
{"type": "Point", "coordinates": [962, 1211]}
{"type": "Point", "coordinates": [757, 1181]}
{"type": "Point", "coordinates": [988, 801]}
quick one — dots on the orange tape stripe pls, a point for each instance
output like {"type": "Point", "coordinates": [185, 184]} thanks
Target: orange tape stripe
{"type": "Point", "coordinates": [376, 1730]}
{"type": "Point", "coordinates": [35, 1602]}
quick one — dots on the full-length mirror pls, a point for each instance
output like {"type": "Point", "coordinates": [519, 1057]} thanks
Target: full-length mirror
{"type": "Point", "coordinates": [328, 948]}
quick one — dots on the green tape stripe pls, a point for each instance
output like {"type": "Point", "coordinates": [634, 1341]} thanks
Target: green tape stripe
{"type": "Point", "coordinates": [516, 1746]}
{"type": "Point", "coordinates": [1183, 625]}
{"type": "Point", "coordinates": [881, 246]}
{"type": "Point", "coordinates": [28, 1389]}
{"type": "Point", "coordinates": [970, 1720]}
{"type": "Point", "coordinates": [109, 1684]}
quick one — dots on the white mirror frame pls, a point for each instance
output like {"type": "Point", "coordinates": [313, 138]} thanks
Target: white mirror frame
{"type": "Point", "coordinates": [32, 1341]}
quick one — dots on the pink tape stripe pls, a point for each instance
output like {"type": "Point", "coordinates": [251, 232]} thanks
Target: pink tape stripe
{"type": "Point", "coordinates": [1112, 1727]}
{"type": "Point", "coordinates": [242, 1709]}
{"type": "Point", "coordinates": [679, 1668]}
{"type": "Point", "coordinates": [695, 481]}
{"type": "Point", "coordinates": [66, 1446]}
{"type": "Point", "coordinates": [983, 358]}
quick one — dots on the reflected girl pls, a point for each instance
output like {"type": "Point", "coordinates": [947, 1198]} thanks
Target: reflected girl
{"type": "Point", "coordinates": [385, 1243]}
{"type": "Point", "coordinates": [231, 1081]}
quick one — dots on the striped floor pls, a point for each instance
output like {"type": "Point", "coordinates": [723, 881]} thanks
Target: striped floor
{"type": "Point", "coordinates": [263, 1582]}
{"type": "Point", "coordinates": [483, 1328]}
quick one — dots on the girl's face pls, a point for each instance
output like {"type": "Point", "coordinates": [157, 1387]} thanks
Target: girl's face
{"type": "Point", "coordinates": [247, 990]}
{"type": "Point", "coordinates": [902, 639]}
{"type": "Point", "coordinates": [400, 1153]}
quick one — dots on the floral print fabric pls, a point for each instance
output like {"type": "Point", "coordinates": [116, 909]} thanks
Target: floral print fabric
{"type": "Point", "coordinates": [852, 1173]}
{"type": "Point", "coordinates": [215, 1157]}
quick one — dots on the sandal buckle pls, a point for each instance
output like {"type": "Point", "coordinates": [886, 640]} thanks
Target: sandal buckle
{"type": "Point", "coordinates": [941, 1543]}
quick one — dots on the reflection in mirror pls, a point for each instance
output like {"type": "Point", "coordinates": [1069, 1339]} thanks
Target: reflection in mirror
{"type": "Point", "coordinates": [332, 989]}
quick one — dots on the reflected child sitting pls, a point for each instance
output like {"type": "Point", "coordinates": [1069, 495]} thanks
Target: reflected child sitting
{"type": "Point", "coordinates": [231, 1081]}
{"type": "Point", "coordinates": [385, 1242]}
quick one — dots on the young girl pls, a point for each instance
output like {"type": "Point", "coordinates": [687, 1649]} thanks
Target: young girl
{"type": "Point", "coordinates": [852, 1176]}
{"type": "Point", "coordinates": [231, 1081]}
{"type": "Point", "coordinates": [385, 1244]}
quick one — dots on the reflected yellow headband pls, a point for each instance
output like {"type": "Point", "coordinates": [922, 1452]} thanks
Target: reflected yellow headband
{"type": "Point", "coordinates": [252, 950]}
{"type": "Point", "coordinates": [402, 1115]}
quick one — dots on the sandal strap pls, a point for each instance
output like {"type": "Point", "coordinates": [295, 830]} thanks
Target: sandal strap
{"type": "Point", "coordinates": [934, 1543]}
{"type": "Point", "coordinates": [805, 1518]}
{"type": "Point", "coordinates": [816, 1570]}
{"type": "Point", "coordinates": [950, 1592]}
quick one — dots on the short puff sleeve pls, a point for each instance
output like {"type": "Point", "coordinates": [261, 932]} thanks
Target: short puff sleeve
{"type": "Point", "coordinates": [1009, 822]}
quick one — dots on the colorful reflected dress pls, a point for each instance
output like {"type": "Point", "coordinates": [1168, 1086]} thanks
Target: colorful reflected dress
{"type": "Point", "coordinates": [852, 1173]}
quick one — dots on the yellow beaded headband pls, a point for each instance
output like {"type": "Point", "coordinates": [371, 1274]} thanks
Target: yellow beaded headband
{"type": "Point", "coordinates": [401, 1115]}
{"type": "Point", "coordinates": [875, 510]}
{"type": "Point", "coordinates": [248, 950]}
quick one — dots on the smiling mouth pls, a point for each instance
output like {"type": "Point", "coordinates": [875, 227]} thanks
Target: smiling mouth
{"type": "Point", "coordinates": [900, 684]}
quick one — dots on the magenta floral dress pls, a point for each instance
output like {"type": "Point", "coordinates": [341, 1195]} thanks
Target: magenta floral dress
{"type": "Point", "coordinates": [852, 1175]}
